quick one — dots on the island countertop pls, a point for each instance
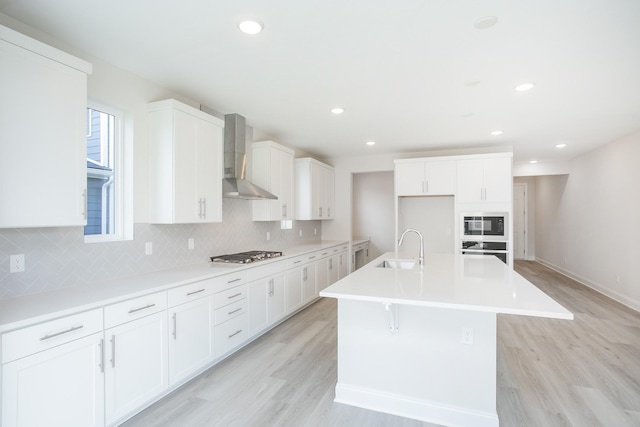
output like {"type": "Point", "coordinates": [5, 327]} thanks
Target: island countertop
{"type": "Point", "coordinates": [463, 282]}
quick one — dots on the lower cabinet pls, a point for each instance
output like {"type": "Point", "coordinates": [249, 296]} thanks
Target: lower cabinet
{"type": "Point", "coordinates": [135, 364]}
{"type": "Point", "coordinates": [62, 386]}
{"type": "Point", "coordinates": [266, 299]}
{"type": "Point", "coordinates": [190, 338]}
{"type": "Point", "coordinates": [322, 267]}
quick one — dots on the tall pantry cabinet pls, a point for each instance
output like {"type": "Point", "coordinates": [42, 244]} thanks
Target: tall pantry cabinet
{"type": "Point", "coordinates": [43, 108]}
{"type": "Point", "coordinates": [185, 146]}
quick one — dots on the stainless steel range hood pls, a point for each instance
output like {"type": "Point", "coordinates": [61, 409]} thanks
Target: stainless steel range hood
{"type": "Point", "coordinates": [234, 184]}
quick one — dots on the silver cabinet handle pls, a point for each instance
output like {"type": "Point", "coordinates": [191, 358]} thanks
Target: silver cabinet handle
{"type": "Point", "coordinates": [234, 295]}
{"type": "Point", "coordinates": [113, 351]}
{"type": "Point", "coordinates": [330, 263]}
{"type": "Point", "coordinates": [320, 210]}
{"type": "Point", "coordinates": [235, 280]}
{"type": "Point", "coordinates": [199, 208]}
{"type": "Point", "coordinates": [204, 207]}
{"type": "Point", "coordinates": [305, 276]}
{"type": "Point", "coordinates": [284, 211]}
{"type": "Point", "coordinates": [57, 334]}
{"type": "Point", "coordinates": [85, 202]}
{"type": "Point", "coordinates": [195, 292]}
{"type": "Point", "coordinates": [134, 310]}
{"type": "Point", "coordinates": [234, 311]}
{"type": "Point", "coordinates": [297, 262]}
{"type": "Point", "coordinates": [101, 355]}
{"type": "Point", "coordinates": [312, 257]}
{"type": "Point", "coordinates": [175, 326]}
{"type": "Point", "coordinates": [271, 287]}
{"type": "Point", "coordinates": [328, 212]}
{"type": "Point", "coordinates": [235, 333]}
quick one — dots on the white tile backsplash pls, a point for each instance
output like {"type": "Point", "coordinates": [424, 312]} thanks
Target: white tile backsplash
{"type": "Point", "coordinates": [58, 257]}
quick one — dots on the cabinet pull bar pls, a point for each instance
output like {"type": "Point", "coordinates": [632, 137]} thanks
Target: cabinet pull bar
{"type": "Point", "coordinates": [71, 329]}
{"type": "Point", "coordinates": [113, 351]}
{"type": "Point", "coordinates": [133, 310]}
{"type": "Point", "coordinates": [312, 257]}
{"type": "Point", "coordinates": [234, 295]}
{"type": "Point", "coordinates": [235, 333]}
{"type": "Point", "coordinates": [85, 204]}
{"type": "Point", "coordinates": [235, 311]}
{"type": "Point", "coordinates": [101, 355]}
{"type": "Point", "coordinates": [175, 327]}
{"type": "Point", "coordinates": [296, 262]}
{"type": "Point", "coordinates": [235, 280]}
{"type": "Point", "coordinates": [204, 207]}
{"type": "Point", "coordinates": [195, 292]}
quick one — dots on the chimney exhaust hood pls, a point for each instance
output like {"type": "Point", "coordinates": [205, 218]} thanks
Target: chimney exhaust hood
{"type": "Point", "coordinates": [234, 184]}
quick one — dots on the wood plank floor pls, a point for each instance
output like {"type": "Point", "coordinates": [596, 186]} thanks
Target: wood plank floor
{"type": "Point", "coordinates": [584, 372]}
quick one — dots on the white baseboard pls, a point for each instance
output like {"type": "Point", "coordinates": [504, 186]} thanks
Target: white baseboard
{"type": "Point", "coordinates": [403, 406]}
{"type": "Point", "coordinates": [622, 299]}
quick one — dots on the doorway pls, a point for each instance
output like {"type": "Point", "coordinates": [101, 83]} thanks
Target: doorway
{"type": "Point", "coordinates": [520, 221]}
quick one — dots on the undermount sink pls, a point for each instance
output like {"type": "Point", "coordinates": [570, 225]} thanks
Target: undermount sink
{"type": "Point", "coordinates": [402, 264]}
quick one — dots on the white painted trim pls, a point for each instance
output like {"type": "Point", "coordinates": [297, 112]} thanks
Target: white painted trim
{"type": "Point", "coordinates": [622, 299]}
{"type": "Point", "coordinates": [411, 408]}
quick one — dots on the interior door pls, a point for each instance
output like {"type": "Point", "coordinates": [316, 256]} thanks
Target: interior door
{"type": "Point", "coordinates": [519, 221]}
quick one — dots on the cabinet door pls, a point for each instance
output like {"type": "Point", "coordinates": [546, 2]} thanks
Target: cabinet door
{"type": "Point", "coordinates": [498, 180]}
{"type": "Point", "coordinates": [309, 291]}
{"type": "Point", "coordinates": [293, 285]}
{"type": "Point", "coordinates": [285, 197]}
{"type": "Point", "coordinates": [277, 299]}
{"type": "Point", "coordinates": [333, 270]}
{"type": "Point", "coordinates": [440, 178]}
{"type": "Point", "coordinates": [258, 295]}
{"type": "Point", "coordinates": [322, 280]}
{"type": "Point", "coordinates": [190, 338]}
{"type": "Point", "coordinates": [209, 174]}
{"type": "Point", "coordinates": [343, 266]}
{"type": "Point", "coordinates": [62, 386]}
{"type": "Point", "coordinates": [136, 364]}
{"type": "Point", "coordinates": [410, 179]}
{"type": "Point", "coordinates": [42, 141]}
{"type": "Point", "coordinates": [186, 205]}
{"type": "Point", "coordinates": [328, 192]}
{"type": "Point", "coordinates": [469, 183]}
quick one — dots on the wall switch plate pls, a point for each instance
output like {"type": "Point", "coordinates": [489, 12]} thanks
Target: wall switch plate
{"type": "Point", "coordinates": [268, 235]}
{"type": "Point", "coordinates": [190, 243]}
{"type": "Point", "coordinates": [16, 263]}
{"type": "Point", "coordinates": [315, 231]}
{"type": "Point", "coordinates": [148, 248]}
{"type": "Point", "coordinates": [300, 232]}
{"type": "Point", "coordinates": [467, 336]}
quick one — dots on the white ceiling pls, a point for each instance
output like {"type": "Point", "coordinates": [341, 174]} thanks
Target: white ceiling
{"type": "Point", "coordinates": [399, 68]}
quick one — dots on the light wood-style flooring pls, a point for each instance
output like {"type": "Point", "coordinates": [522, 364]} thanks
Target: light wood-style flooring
{"type": "Point", "coordinates": [584, 372]}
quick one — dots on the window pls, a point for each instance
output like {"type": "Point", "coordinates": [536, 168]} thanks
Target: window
{"type": "Point", "coordinates": [106, 204]}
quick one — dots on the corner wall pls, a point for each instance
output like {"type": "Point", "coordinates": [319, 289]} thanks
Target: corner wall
{"type": "Point", "coordinates": [587, 221]}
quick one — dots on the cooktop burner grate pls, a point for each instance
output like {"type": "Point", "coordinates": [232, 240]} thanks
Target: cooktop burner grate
{"type": "Point", "coordinates": [246, 257]}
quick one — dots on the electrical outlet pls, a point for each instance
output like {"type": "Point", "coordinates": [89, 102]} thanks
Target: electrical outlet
{"type": "Point", "coordinates": [16, 263]}
{"type": "Point", "coordinates": [191, 243]}
{"type": "Point", "coordinates": [300, 232]}
{"type": "Point", "coordinates": [467, 336]}
{"type": "Point", "coordinates": [148, 248]}
{"type": "Point", "coordinates": [315, 231]}
{"type": "Point", "coordinates": [268, 235]}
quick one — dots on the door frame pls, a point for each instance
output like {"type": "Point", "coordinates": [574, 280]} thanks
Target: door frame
{"type": "Point", "coordinates": [525, 219]}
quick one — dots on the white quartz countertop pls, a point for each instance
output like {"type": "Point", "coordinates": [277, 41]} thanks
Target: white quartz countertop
{"type": "Point", "coordinates": [463, 282]}
{"type": "Point", "coordinates": [22, 311]}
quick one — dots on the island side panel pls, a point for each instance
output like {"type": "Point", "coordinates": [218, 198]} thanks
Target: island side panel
{"type": "Point", "coordinates": [423, 371]}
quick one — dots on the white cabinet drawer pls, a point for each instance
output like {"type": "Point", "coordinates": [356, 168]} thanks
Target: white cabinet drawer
{"type": "Point", "coordinates": [230, 334]}
{"type": "Point", "coordinates": [229, 280]}
{"type": "Point", "coordinates": [190, 292]}
{"type": "Point", "coordinates": [303, 259]}
{"type": "Point", "coordinates": [230, 311]}
{"type": "Point", "coordinates": [270, 269]}
{"type": "Point", "coordinates": [122, 312]}
{"type": "Point", "coordinates": [230, 295]}
{"type": "Point", "coordinates": [33, 339]}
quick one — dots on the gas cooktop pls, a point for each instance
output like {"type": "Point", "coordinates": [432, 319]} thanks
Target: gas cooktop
{"type": "Point", "coordinates": [246, 257]}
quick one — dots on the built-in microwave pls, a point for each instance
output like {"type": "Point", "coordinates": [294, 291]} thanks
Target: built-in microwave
{"type": "Point", "coordinates": [484, 226]}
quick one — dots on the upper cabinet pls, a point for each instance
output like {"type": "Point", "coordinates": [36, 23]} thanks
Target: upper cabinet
{"type": "Point", "coordinates": [273, 171]}
{"type": "Point", "coordinates": [425, 177]}
{"type": "Point", "coordinates": [315, 192]}
{"type": "Point", "coordinates": [185, 165]}
{"type": "Point", "coordinates": [484, 180]}
{"type": "Point", "coordinates": [43, 107]}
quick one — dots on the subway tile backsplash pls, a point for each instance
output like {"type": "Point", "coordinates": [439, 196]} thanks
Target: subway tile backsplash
{"type": "Point", "coordinates": [58, 257]}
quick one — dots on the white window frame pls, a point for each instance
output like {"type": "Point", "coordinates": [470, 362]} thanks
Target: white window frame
{"type": "Point", "coordinates": [123, 173]}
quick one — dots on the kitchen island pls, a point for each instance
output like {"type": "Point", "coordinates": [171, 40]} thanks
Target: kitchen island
{"type": "Point", "coordinates": [420, 341]}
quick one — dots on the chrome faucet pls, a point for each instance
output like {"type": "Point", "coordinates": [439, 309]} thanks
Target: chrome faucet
{"type": "Point", "coordinates": [421, 255]}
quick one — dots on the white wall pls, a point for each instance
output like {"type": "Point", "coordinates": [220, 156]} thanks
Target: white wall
{"type": "Point", "coordinates": [586, 222]}
{"type": "Point", "coordinates": [373, 211]}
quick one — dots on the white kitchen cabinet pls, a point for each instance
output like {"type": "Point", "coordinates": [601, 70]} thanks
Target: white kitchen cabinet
{"type": "Point", "coordinates": [266, 302]}
{"type": "Point", "coordinates": [190, 337]}
{"type": "Point", "coordinates": [425, 178]}
{"type": "Point", "coordinates": [43, 166]}
{"type": "Point", "coordinates": [185, 165]}
{"type": "Point", "coordinates": [309, 291]}
{"type": "Point", "coordinates": [135, 354]}
{"type": "Point", "coordinates": [322, 270]}
{"type": "Point", "coordinates": [300, 282]}
{"type": "Point", "coordinates": [273, 171]}
{"type": "Point", "coordinates": [484, 180]}
{"type": "Point", "coordinates": [360, 255]}
{"type": "Point", "coordinates": [231, 320]}
{"type": "Point", "coordinates": [52, 373]}
{"type": "Point", "coordinates": [343, 262]}
{"type": "Point", "coordinates": [315, 192]}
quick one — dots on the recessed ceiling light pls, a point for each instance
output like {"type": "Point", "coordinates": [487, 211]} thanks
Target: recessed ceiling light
{"type": "Point", "coordinates": [496, 132]}
{"type": "Point", "coordinates": [561, 145]}
{"type": "Point", "coordinates": [337, 110]}
{"type": "Point", "coordinates": [485, 22]}
{"type": "Point", "coordinates": [533, 161]}
{"type": "Point", "coordinates": [250, 26]}
{"type": "Point", "coordinates": [466, 115]}
{"type": "Point", "coordinates": [524, 87]}
{"type": "Point", "coordinates": [472, 83]}
{"type": "Point", "coordinates": [371, 143]}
